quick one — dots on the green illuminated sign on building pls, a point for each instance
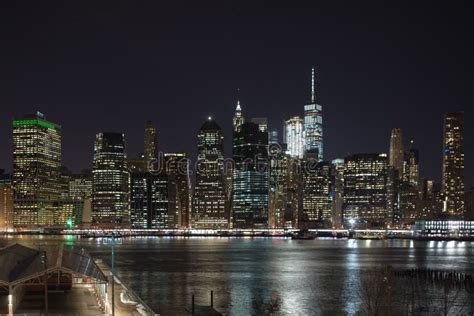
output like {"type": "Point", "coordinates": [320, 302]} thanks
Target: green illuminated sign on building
{"type": "Point", "coordinates": [34, 122]}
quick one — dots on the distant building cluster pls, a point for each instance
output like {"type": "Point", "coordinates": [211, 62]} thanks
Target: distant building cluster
{"type": "Point", "coordinates": [267, 183]}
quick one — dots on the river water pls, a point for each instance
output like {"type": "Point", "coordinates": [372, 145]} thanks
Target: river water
{"type": "Point", "coordinates": [248, 275]}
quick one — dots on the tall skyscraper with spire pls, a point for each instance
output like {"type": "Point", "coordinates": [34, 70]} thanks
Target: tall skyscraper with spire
{"type": "Point", "coordinates": [453, 164]}
{"type": "Point", "coordinates": [238, 119]}
{"type": "Point", "coordinates": [313, 124]}
{"type": "Point", "coordinates": [396, 151]}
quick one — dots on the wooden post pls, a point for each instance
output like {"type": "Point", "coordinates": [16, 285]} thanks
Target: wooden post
{"type": "Point", "coordinates": [10, 301]}
{"type": "Point", "coordinates": [389, 290]}
{"type": "Point", "coordinates": [192, 308]}
{"type": "Point", "coordinates": [212, 298]}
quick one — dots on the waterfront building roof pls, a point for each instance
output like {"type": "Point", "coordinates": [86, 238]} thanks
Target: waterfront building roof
{"type": "Point", "coordinates": [21, 264]}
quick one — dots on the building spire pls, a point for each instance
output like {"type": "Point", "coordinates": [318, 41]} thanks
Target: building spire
{"type": "Point", "coordinates": [313, 96]}
{"type": "Point", "coordinates": [238, 108]}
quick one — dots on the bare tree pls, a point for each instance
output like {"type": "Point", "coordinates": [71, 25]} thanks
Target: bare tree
{"type": "Point", "coordinates": [372, 292]}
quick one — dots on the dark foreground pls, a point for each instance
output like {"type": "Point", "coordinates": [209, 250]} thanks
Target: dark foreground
{"type": "Point", "coordinates": [259, 275]}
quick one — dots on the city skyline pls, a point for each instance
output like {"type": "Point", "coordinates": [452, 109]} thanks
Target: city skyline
{"type": "Point", "coordinates": [227, 141]}
{"type": "Point", "coordinates": [236, 158]}
{"type": "Point", "coordinates": [115, 77]}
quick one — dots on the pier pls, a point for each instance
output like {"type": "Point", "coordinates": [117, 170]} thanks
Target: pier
{"type": "Point", "coordinates": [57, 280]}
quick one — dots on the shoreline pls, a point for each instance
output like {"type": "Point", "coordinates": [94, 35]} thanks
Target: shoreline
{"type": "Point", "coordinates": [321, 236]}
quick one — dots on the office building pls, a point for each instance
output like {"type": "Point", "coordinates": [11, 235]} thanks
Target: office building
{"type": "Point", "coordinates": [209, 200]}
{"type": "Point", "coordinates": [365, 193]}
{"type": "Point", "coordinates": [294, 211]}
{"type": "Point", "coordinates": [313, 124]}
{"type": "Point", "coordinates": [273, 136]}
{"type": "Point", "coordinates": [397, 156]}
{"type": "Point", "coordinates": [294, 137]}
{"type": "Point", "coordinates": [453, 165]}
{"type": "Point", "coordinates": [278, 188]}
{"type": "Point", "coordinates": [250, 177]}
{"type": "Point", "coordinates": [262, 123]}
{"type": "Point", "coordinates": [394, 217]}
{"type": "Point", "coordinates": [177, 169]}
{"type": "Point", "coordinates": [317, 202]}
{"type": "Point", "coordinates": [338, 189]}
{"type": "Point", "coordinates": [6, 201]}
{"type": "Point", "coordinates": [150, 148]}
{"type": "Point", "coordinates": [36, 170]}
{"type": "Point", "coordinates": [110, 182]}
{"type": "Point", "coordinates": [411, 169]}
{"type": "Point", "coordinates": [153, 201]}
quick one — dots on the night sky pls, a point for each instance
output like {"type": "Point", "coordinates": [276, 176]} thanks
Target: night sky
{"type": "Point", "coordinates": [94, 66]}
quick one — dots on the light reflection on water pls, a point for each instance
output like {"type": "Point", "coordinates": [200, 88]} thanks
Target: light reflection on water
{"type": "Point", "coordinates": [307, 277]}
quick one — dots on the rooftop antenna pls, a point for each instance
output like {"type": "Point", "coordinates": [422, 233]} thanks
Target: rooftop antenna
{"type": "Point", "coordinates": [312, 86]}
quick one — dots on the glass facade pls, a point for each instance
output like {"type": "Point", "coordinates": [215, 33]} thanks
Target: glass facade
{"type": "Point", "coordinates": [250, 177]}
{"type": "Point", "coordinates": [152, 205]}
{"type": "Point", "coordinates": [177, 167]}
{"type": "Point", "coordinates": [453, 165]}
{"type": "Point", "coordinates": [313, 129]}
{"type": "Point", "coordinates": [150, 151]}
{"type": "Point", "coordinates": [365, 192]}
{"type": "Point", "coordinates": [397, 157]}
{"type": "Point", "coordinates": [317, 201]}
{"type": "Point", "coordinates": [209, 201]}
{"type": "Point", "coordinates": [36, 170]}
{"type": "Point", "coordinates": [294, 137]}
{"type": "Point", "coordinates": [110, 182]}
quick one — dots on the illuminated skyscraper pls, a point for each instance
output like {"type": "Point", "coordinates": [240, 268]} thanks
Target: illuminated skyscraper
{"type": "Point", "coordinates": [294, 212]}
{"type": "Point", "coordinates": [110, 182]}
{"type": "Point", "coordinates": [262, 123]}
{"type": "Point", "coordinates": [317, 203]}
{"type": "Point", "coordinates": [313, 124]}
{"type": "Point", "coordinates": [453, 164]}
{"type": "Point", "coordinates": [365, 193]}
{"type": "Point", "coordinates": [36, 170]}
{"type": "Point", "coordinates": [411, 169]}
{"type": "Point", "coordinates": [177, 168]}
{"type": "Point", "coordinates": [278, 186]}
{"type": "Point", "coordinates": [6, 201]}
{"type": "Point", "coordinates": [338, 176]}
{"type": "Point", "coordinates": [150, 151]}
{"type": "Point", "coordinates": [396, 151]}
{"type": "Point", "coordinates": [294, 137]}
{"type": "Point", "coordinates": [209, 200]}
{"type": "Point", "coordinates": [273, 136]}
{"type": "Point", "coordinates": [394, 216]}
{"type": "Point", "coordinates": [238, 119]}
{"type": "Point", "coordinates": [153, 202]}
{"type": "Point", "coordinates": [250, 180]}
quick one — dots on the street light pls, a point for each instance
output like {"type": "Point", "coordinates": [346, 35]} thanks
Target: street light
{"type": "Point", "coordinates": [352, 222]}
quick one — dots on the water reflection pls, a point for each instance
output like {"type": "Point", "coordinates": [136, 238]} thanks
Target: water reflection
{"type": "Point", "coordinates": [249, 275]}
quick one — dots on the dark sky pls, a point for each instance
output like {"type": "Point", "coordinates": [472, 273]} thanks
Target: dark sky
{"type": "Point", "coordinates": [109, 66]}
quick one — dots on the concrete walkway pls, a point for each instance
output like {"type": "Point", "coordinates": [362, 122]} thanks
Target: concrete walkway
{"type": "Point", "coordinates": [121, 308]}
{"type": "Point", "coordinates": [79, 301]}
